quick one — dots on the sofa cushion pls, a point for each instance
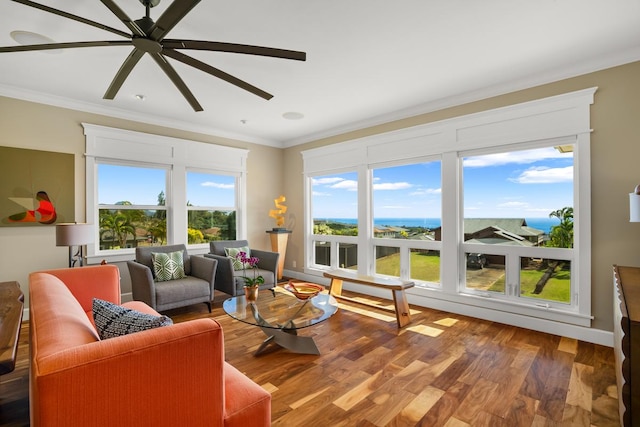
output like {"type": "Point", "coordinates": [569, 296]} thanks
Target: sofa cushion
{"type": "Point", "coordinates": [113, 320]}
{"type": "Point", "coordinates": [232, 253]}
{"type": "Point", "coordinates": [168, 266]}
{"type": "Point", "coordinates": [250, 405]}
{"type": "Point", "coordinates": [189, 288]}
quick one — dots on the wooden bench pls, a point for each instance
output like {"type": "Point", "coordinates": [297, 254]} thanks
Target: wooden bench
{"type": "Point", "coordinates": [396, 286]}
{"type": "Point", "coordinates": [11, 306]}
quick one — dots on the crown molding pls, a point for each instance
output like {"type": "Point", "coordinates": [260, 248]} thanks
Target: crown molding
{"type": "Point", "coordinates": [598, 64]}
{"type": "Point", "coordinates": [62, 102]}
{"type": "Point", "coordinates": [553, 75]}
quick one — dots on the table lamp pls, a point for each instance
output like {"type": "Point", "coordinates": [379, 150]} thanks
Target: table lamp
{"type": "Point", "coordinates": [74, 234]}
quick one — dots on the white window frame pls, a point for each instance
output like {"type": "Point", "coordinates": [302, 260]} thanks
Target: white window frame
{"type": "Point", "coordinates": [237, 183]}
{"type": "Point", "coordinates": [125, 147]}
{"type": "Point", "coordinates": [167, 190]}
{"type": "Point", "coordinates": [513, 254]}
{"type": "Point", "coordinates": [560, 118]}
{"type": "Point", "coordinates": [405, 245]}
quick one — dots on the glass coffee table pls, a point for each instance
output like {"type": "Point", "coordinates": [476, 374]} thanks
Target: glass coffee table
{"type": "Point", "coordinates": [280, 315]}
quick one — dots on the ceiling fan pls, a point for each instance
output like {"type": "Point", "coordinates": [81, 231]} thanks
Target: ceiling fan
{"type": "Point", "coordinates": [148, 36]}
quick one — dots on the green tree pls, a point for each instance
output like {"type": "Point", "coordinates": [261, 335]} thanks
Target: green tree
{"type": "Point", "coordinates": [562, 234]}
{"type": "Point", "coordinates": [322, 228]}
{"type": "Point", "coordinates": [116, 225]}
{"type": "Point", "coordinates": [230, 232]}
{"type": "Point", "coordinates": [161, 214]}
{"type": "Point", "coordinates": [158, 229]}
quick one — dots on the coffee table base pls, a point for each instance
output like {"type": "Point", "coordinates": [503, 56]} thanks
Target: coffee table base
{"type": "Point", "coordinates": [288, 339]}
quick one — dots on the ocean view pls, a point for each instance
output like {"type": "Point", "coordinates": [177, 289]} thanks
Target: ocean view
{"type": "Point", "coordinates": [543, 224]}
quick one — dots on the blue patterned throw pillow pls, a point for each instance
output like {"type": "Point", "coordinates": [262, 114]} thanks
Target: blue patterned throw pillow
{"type": "Point", "coordinates": [113, 320]}
{"type": "Point", "coordinates": [168, 266]}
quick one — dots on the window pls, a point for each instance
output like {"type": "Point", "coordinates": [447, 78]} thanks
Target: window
{"type": "Point", "coordinates": [407, 210]}
{"type": "Point", "coordinates": [210, 207]}
{"type": "Point", "coordinates": [132, 208]}
{"type": "Point", "coordinates": [335, 204]}
{"type": "Point", "coordinates": [521, 199]}
{"type": "Point", "coordinates": [481, 211]}
{"type": "Point", "coordinates": [335, 225]}
{"type": "Point", "coordinates": [152, 190]}
{"type": "Point", "coordinates": [406, 201]}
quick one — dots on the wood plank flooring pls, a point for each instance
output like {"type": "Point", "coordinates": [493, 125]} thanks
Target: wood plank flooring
{"type": "Point", "coordinates": [441, 370]}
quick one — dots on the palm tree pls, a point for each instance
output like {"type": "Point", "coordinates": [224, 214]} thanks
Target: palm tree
{"type": "Point", "coordinates": [118, 226]}
{"type": "Point", "coordinates": [562, 234]}
{"type": "Point", "coordinates": [158, 229]}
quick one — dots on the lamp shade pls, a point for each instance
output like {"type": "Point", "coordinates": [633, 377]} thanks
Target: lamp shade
{"type": "Point", "coordinates": [634, 207]}
{"type": "Point", "coordinates": [73, 234]}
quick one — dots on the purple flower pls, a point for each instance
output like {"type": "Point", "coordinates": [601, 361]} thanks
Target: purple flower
{"type": "Point", "coordinates": [252, 262]}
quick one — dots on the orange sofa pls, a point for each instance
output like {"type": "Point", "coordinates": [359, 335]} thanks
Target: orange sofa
{"type": "Point", "coordinates": [169, 376]}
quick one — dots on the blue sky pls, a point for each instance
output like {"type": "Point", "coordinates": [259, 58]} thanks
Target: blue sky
{"type": "Point", "coordinates": [211, 190]}
{"type": "Point", "coordinates": [141, 186]}
{"type": "Point", "coordinates": [521, 184]}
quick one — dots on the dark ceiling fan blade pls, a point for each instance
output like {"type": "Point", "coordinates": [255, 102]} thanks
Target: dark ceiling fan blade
{"type": "Point", "coordinates": [121, 15]}
{"type": "Point", "coordinates": [177, 81]}
{"type": "Point", "coordinates": [171, 16]}
{"type": "Point", "coordinates": [123, 73]}
{"type": "Point", "coordinates": [67, 45]}
{"type": "Point", "coordinates": [234, 48]}
{"type": "Point", "coordinates": [179, 56]}
{"type": "Point", "coordinates": [73, 17]}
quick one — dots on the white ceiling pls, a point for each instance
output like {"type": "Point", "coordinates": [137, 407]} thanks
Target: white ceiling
{"type": "Point", "coordinates": [368, 61]}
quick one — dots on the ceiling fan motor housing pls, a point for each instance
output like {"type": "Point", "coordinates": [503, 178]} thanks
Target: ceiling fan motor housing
{"type": "Point", "coordinates": [150, 3]}
{"type": "Point", "coordinates": [145, 23]}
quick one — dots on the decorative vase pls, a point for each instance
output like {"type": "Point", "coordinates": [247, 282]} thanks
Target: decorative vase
{"type": "Point", "coordinates": [251, 293]}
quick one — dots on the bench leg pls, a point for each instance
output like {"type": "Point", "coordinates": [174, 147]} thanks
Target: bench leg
{"type": "Point", "coordinates": [403, 314]}
{"type": "Point", "coordinates": [335, 287]}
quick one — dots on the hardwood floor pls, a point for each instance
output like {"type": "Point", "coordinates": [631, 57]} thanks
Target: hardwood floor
{"type": "Point", "coordinates": [441, 370]}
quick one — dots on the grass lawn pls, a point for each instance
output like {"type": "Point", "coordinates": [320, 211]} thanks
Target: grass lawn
{"type": "Point", "coordinates": [426, 266]}
{"type": "Point", "coordinates": [558, 287]}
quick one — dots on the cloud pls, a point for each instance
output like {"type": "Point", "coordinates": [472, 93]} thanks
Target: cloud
{"type": "Point", "coordinates": [392, 186]}
{"type": "Point", "coordinates": [346, 184]}
{"type": "Point", "coordinates": [545, 175]}
{"type": "Point", "coordinates": [426, 191]}
{"type": "Point", "coordinates": [326, 181]}
{"type": "Point", "coordinates": [218, 185]}
{"type": "Point", "coordinates": [517, 157]}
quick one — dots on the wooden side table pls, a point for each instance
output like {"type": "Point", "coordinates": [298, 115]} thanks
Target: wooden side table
{"type": "Point", "coordinates": [11, 307]}
{"type": "Point", "coordinates": [279, 238]}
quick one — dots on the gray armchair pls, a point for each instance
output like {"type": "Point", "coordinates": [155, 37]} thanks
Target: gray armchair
{"type": "Point", "coordinates": [231, 281]}
{"type": "Point", "coordinates": [195, 288]}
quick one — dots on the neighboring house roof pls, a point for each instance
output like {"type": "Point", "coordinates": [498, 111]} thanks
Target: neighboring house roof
{"type": "Point", "coordinates": [422, 236]}
{"type": "Point", "coordinates": [503, 242]}
{"type": "Point", "coordinates": [495, 235]}
{"type": "Point", "coordinates": [517, 226]}
{"type": "Point", "coordinates": [500, 241]}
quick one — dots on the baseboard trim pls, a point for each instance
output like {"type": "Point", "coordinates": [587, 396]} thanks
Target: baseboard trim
{"type": "Point", "coordinates": [591, 335]}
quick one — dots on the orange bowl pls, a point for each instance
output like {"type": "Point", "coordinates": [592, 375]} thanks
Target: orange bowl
{"type": "Point", "coordinates": [304, 291]}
